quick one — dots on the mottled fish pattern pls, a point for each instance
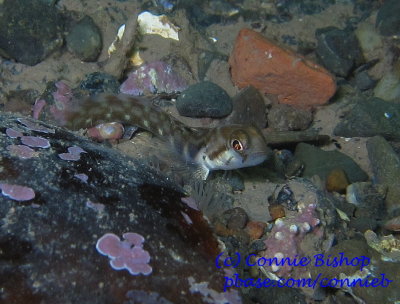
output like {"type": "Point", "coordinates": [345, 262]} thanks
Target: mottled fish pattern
{"type": "Point", "coordinates": [222, 148]}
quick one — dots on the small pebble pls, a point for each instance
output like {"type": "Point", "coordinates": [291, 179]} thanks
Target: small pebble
{"type": "Point", "coordinates": [337, 181]}
{"type": "Point", "coordinates": [276, 211]}
{"type": "Point", "coordinates": [255, 229]}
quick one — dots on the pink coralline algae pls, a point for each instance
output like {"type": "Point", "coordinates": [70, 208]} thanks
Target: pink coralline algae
{"type": "Point", "coordinates": [13, 133]}
{"type": "Point", "coordinates": [74, 154]}
{"type": "Point", "coordinates": [284, 240]}
{"type": "Point", "coordinates": [35, 142]}
{"type": "Point", "coordinates": [35, 126]}
{"type": "Point", "coordinates": [17, 192]}
{"type": "Point", "coordinates": [22, 151]}
{"type": "Point", "coordinates": [154, 77]}
{"type": "Point", "coordinates": [212, 296]}
{"type": "Point", "coordinates": [82, 176]}
{"type": "Point", "coordinates": [127, 254]}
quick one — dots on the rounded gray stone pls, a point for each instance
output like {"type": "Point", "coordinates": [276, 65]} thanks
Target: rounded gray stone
{"type": "Point", "coordinates": [204, 99]}
{"type": "Point", "coordinates": [84, 40]}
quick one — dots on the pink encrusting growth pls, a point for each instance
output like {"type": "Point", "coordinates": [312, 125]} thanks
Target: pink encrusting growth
{"type": "Point", "coordinates": [13, 133]}
{"type": "Point", "coordinates": [284, 240]}
{"type": "Point", "coordinates": [127, 254]}
{"type": "Point", "coordinates": [74, 154]}
{"type": "Point", "coordinates": [35, 142]}
{"type": "Point", "coordinates": [22, 151]}
{"type": "Point", "coordinates": [17, 192]}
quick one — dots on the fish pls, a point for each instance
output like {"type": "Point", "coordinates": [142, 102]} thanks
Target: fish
{"type": "Point", "coordinates": [225, 147]}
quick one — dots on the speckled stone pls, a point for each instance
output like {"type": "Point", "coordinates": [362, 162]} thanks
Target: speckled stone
{"type": "Point", "coordinates": [84, 40]}
{"type": "Point", "coordinates": [30, 30]}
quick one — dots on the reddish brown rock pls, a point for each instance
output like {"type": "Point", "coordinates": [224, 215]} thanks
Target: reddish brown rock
{"type": "Point", "coordinates": [276, 211]}
{"type": "Point", "coordinates": [295, 80]}
{"type": "Point", "coordinates": [255, 230]}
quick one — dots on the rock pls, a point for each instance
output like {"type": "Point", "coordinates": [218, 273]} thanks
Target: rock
{"type": "Point", "coordinates": [236, 218]}
{"type": "Point", "coordinates": [84, 40]}
{"type": "Point", "coordinates": [388, 18]}
{"type": "Point", "coordinates": [367, 196]}
{"type": "Point", "coordinates": [96, 83]}
{"type": "Point", "coordinates": [338, 50]}
{"type": "Point", "coordinates": [255, 230]}
{"type": "Point", "coordinates": [204, 99]}
{"type": "Point", "coordinates": [259, 62]}
{"type": "Point", "coordinates": [248, 106]}
{"type": "Point", "coordinates": [388, 87]}
{"type": "Point", "coordinates": [363, 224]}
{"type": "Point", "coordinates": [370, 117]}
{"type": "Point", "coordinates": [337, 181]}
{"type": "Point", "coordinates": [363, 81]}
{"type": "Point", "coordinates": [393, 224]}
{"type": "Point", "coordinates": [153, 77]}
{"type": "Point", "coordinates": [47, 240]}
{"type": "Point", "coordinates": [321, 163]}
{"type": "Point", "coordinates": [385, 165]}
{"type": "Point", "coordinates": [29, 30]}
{"type": "Point", "coordinates": [276, 211]}
{"type": "Point", "coordinates": [283, 117]}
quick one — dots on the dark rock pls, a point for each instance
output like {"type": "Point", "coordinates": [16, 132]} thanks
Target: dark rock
{"type": "Point", "coordinates": [370, 117]}
{"type": "Point", "coordinates": [363, 224]}
{"type": "Point", "coordinates": [388, 18]}
{"type": "Point", "coordinates": [283, 117]}
{"type": "Point", "coordinates": [321, 163]}
{"type": "Point", "coordinates": [204, 99]}
{"type": "Point", "coordinates": [29, 30]}
{"type": "Point", "coordinates": [84, 40]}
{"type": "Point", "coordinates": [363, 81]}
{"type": "Point", "coordinates": [367, 196]}
{"type": "Point", "coordinates": [236, 218]}
{"type": "Point", "coordinates": [248, 107]}
{"type": "Point", "coordinates": [338, 50]}
{"type": "Point", "coordinates": [97, 83]}
{"type": "Point", "coordinates": [205, 60]}
{"type": "Point", "coordinates": [46, 241]}
{"type": "Point", "coordinates": [385, 165]}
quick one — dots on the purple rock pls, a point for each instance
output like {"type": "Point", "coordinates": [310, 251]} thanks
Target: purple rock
{"type": "Point", "coordinates": [152, 78]}
{"type": "Point", "coordinates": [17, 193]}
{"type": "Point", "coordinates": [13, 133]}
{"type": "Point", "coordinates": [22, 151]}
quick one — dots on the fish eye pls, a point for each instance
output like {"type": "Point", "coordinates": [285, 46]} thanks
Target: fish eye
{"type": "Point", "coordinates": [237, 145]}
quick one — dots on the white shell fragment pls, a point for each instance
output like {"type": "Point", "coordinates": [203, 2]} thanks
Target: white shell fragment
{"type": "Point", "coordinates": [159, 25]}
{"type": "Point", "coordinates": [120, 33]}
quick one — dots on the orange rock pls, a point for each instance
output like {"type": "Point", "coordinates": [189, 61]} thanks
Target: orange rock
{"type": "Point", "coordinates": [276, 211]}
{"type": "Point", "coordinates": [255, 230]}
{"type": "Point", "coordinates": [295, 80]}
{"type": "Point", "coordinates": [337, 181]}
